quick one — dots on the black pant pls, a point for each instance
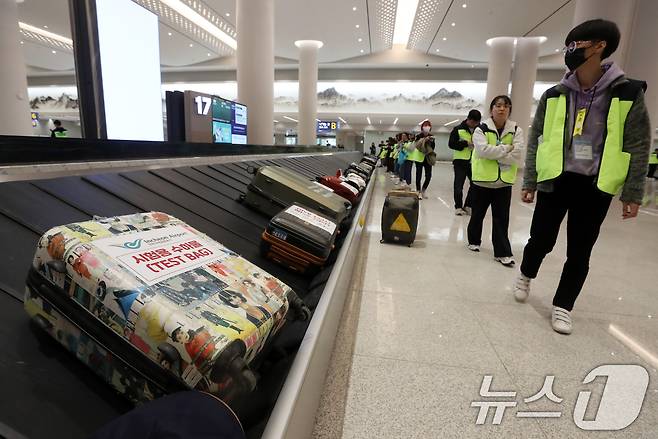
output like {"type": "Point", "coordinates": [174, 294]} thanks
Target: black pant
{"type": "Point", "coordinates": [408, 164]}
{"type": "Point", "coordinates": [587, 208]}
{"type": "Point", "coordinates": [499, 199]}
{"type": "Point", "coordinates": [419, 174]}
{"type": "Point", "coordinates": [462, 171]}
{"type": "Point", "coordinates": [652, 170]}
{"type": "Point", "coordinates": [389, 164]}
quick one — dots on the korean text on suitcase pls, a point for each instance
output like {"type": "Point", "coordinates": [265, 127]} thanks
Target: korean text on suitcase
{"type": "Point", "coordinates": [400, 217]}
{"type": "Point", "coordinates": [299, 239]}
{"type": "Point", "coordinates": [275, 188]}
{"type": "Point", "coordinates": [154, 306]}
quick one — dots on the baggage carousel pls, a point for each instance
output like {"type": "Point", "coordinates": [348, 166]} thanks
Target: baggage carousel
{"type": "Point", "coordinates": [46, 392]}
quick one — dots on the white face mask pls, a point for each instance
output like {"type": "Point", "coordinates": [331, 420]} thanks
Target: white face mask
{"type": "Point", "coordinates": [426, 128]}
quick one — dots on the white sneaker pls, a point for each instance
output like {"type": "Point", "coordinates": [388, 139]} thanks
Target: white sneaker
{"type": "Point", "coordinates": [468, 211]}
{"type": "Point", "coordinates": [473, 247]}
{"type": "Point", "coordinates": [561, 320]}
{"type": "Point", "coordinates": [460, 212]}
{"type": "Point", "coordinates": [420, 195]}
{"type": "Point", "coordinates": [424, 194]}
{"type": "Point", "coordinates": [522, 288]}
{"type": "Point", "coordinates": [507, 261]}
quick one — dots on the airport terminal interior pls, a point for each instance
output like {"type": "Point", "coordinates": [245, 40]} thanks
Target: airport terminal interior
{"type": "Point", "coordinates": [347, 219]}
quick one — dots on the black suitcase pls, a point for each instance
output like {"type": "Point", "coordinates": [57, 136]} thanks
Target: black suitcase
{"type": "Point", "coordinates": [355, 169]}
{"type": "Point", "coordinates": [274, 188]}
{"type": "Point", "coordinates": [400, 217]}
{"type": "Point", "coordinates": [370, 159]}
{"type": "Point", "coordinates": [299, 239]}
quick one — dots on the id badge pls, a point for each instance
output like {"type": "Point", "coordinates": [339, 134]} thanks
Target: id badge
{"type": "Point", "coordinates": [580, 121]}
{"type": "Point", "coordinates": [582, 148]}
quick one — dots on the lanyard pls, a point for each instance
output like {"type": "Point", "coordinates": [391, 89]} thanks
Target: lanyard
{"type": "Point", "coordinates": [581, 115]}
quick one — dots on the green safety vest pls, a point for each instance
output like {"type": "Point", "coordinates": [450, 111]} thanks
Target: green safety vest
{"type": "Point", "coordinates": [464, 154]}
{"type": "Point", "coordinates": [613, 168]}
{"type": "Point", "coordinates": [489, 171]}
{"type": "Point", "coordinates": [653, 158]}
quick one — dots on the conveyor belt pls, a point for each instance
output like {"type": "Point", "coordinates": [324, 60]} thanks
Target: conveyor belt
{"type": "Point", "coordinates": [48, 393]}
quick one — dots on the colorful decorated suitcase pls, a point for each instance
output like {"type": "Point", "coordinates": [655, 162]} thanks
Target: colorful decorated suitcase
{"type": "Point", "coordinates": [300, 239]}
{"type": "Point", "coordinates": [275, 188]}
{"type": "Point", "coordinates": [154, 306]}
{"type": "Point", "coordinates": [400, 217]}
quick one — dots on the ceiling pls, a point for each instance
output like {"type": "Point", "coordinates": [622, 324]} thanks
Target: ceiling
{"type": "Point", "coordinates": [353, 31]}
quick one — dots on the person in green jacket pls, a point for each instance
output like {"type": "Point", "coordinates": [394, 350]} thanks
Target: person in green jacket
{"type": "Point", "coordinates": [590, 140]}
{"type": "Point", "coordinates": [426, 139]}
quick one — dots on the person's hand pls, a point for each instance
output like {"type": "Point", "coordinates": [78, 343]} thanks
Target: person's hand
{"type": "Point", "coordinates": [629, 210]}
{"type": "Point", "coordinates": [527, 195]}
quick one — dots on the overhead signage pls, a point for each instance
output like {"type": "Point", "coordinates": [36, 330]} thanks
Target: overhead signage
{"type": "Point", "coordinates": [326, 126]}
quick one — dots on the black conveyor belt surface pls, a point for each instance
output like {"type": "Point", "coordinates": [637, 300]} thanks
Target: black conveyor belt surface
{"type": "Point", "coordinates": [47, 392]}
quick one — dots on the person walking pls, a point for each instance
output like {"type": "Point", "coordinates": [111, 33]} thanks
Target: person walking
{"type": "Point", "coordinates": [498, 149]}
{"type": "Point", "coordinates": [461, 142]}
{"type": "Point", "coordinates": [423, 146]}
{"type": "Point", "coordinates": [59, 131]}
{"type": "Point", "coordinates": [373, 149]}
{"type": "Point", "coordinates": [653, 164]}
{"type": "Point", "coordinates": [590, 140]}
{"type": "Point", "coordinates": [403, 162]}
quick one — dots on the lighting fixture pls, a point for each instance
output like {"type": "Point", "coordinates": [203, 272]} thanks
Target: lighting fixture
{"type": "Point", "coordinates": [354, 8]}
{"type": "Point", "coordinates": [317, 120]}
{"type": "Point", "coordinates": [451, 122]}
{"type": "Point", "coordinates": [342, 120]}
{"type": "Point", "coordinates": [362, 50]}
{"type": "Point", "coordinates": [290, 118]}
{"type": "Point", "coordinates": [208, 54]}
{"type": "Point", "coordinates": [276, 121]}
{"type": "Point", "coordinates": [194, 17]}
{"type": "Point", "coordinates": [228, 14]}
{"type": "Point", "coordinates": [169, 33]}
{"type": "Point", "coordinates": [445, 39]}
{"type": "Point", "coordinates": [360, 39]}
{"type": "Point", "coordinates": [438, 50]}
{"type": "Point", "coordinates": [395, 121]}
{"type": "Point", "coordinates": [453, 24]}
{"type": "Point", "coordinates": [380, 121]}
{"type": "Point", "coordinates": [464, 5]}
{"type": "Point", "coordinates": [45, 27]}
{"type": "Point", "coordinates": [44, 33]}
{"type": "Point", "coordinates": [557, 50]}
{"type": "Point", "coordinates": [357, 26]}
{"type": "Point", "coordinates": [191, 45]}
{"type": "Point", "coordinates": [368, 119]}
{"type": "Point", "coordinates": [54, 51]}
{"type": "Point", "coordinates": [22, 42]}
{"type": "Point", "coordinates": [404, 19]}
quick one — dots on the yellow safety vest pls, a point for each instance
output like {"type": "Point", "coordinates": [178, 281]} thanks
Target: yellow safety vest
{"type": "Point", "coordinates": [613, 168]}
{"type": "Point", "coordinates": [464, 154]}
{"type": "Point", "coordinates": [653, 158]}
{"type": "Point", "coordinates": [489, 171]}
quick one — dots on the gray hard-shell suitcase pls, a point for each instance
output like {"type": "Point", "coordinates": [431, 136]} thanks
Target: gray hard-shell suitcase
{"type": "Point", "coordinates": [275, 188]}
{"type": "Point", "coordinates": [400, 217]}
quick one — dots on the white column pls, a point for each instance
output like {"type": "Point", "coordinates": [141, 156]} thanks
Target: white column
{"type": "Point", "coordinates": [523, 80]}
{"type": "Point", "coordinates": [255, 66]}
{"type": "Point", "coordinates": [14, 106]}
{"type": "Point", "coordinates": [642, 55]}
{"type": "Point", "coordinates": [308, 90]}
{"type": "Point", "coordinates": [501, 54]}
{"type": "Point", "coordinates": [621, 12]}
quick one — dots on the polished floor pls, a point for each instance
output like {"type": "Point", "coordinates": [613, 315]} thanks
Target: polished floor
{"type": "Point", "coordinates": [423, 326]}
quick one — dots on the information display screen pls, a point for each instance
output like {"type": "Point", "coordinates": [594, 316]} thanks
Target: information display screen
{"type": "Point", "coordinates": [229, 121]}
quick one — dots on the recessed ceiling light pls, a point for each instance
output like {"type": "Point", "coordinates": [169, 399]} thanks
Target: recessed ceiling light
{"type": "Point", "coordinates": [54, 51]}
{"type": "Point", "coordinates": [228, 14]}
{"type": "Point", "coordinates": [44, 33]}
{"type": "Point", "coordinates": [45, 27]}
{"type": "Point", "coordinates": [453, 24]}
{"type": "Point", "coordinates": [354, 8]}
{"type": "Point", "coordinates": [22, 42]}
{"type": "Point", "coordinates": [395, 121]}
{"type": "Point", "coordinates": [472, 66]}
{"type": "Point", "coordinates": [187, 12]}
{"type": "Point", "coordinates": [169, 33]}
{"type": "Point", "coordinates": [464, 5]}
{"type": "Point", "coordinates": [208, 54]}
{"type": "Point", "coordinates": [445, 39]}
{"type": "Point", "coordinates": [361, 50]}
{"type": "Point", "coordinates": [360, 39]}
{"type": "Point", "coordinates": [357, 26]}
{"type": "Point", "coordinates": [191, 45]}
{"type": "Point", "coordinates": [557, 50]}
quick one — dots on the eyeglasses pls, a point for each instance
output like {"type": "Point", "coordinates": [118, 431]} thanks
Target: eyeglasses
{"type": "Point", "coordinates": [578, 45]}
